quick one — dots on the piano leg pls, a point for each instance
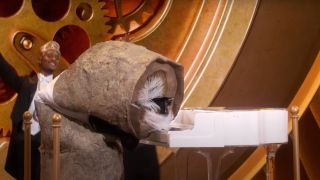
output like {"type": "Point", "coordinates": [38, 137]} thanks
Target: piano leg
{"type": "Point", "coordinates": [207, 156]}
{"type": "Point", "coordinates": [227, 151]}
{"type": "Point", "coordinates": [212, 174]}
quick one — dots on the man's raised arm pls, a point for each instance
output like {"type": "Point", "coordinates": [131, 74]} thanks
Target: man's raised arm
{"type": "Point", "coordinates": [9, 75]}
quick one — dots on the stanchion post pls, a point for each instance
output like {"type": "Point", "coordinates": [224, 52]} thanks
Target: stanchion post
{"type": "Point", "coordinates": [295, 132]}
{"type": "Point", "coordinates": [27, 145]}
{"type": "Point", "coordinates": [56, 119]}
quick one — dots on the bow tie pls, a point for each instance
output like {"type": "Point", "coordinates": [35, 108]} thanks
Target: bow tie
{"type": "Point", "coordinates": [46, 79]}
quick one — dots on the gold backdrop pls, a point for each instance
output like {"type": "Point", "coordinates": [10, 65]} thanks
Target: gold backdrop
{"type": "Point", "coordinates": [235, 53]}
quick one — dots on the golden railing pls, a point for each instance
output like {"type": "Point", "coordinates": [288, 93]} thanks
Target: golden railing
{"type": "Point", "coordinates": [27, 145]}
{"type": "Point", "coordinates": [56, 119]}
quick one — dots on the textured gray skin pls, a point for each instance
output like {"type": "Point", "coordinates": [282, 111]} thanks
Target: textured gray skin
{"type": "Point", "coordinates": [106, 79]}
{"type": "Point", "coordinates": [84, 154]}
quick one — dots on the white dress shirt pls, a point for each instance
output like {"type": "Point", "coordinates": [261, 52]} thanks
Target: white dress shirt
{"type": "Point", "coordinates": [42, 82]}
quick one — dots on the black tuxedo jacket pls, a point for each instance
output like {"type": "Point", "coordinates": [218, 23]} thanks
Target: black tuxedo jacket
{"type": "Point", "coordinates": [26, 87]}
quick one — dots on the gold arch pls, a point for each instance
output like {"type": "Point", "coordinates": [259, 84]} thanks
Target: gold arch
{"type": "Point", "coordinates": [302, 99]}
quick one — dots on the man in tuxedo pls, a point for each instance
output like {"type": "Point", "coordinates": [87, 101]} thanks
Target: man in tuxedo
{"type": "Point", "coordinates": [27, 88]}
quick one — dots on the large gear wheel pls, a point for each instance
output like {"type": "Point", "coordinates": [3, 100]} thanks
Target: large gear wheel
{"type": "Point", "coordinates": [28, 24]}
{"type": "Point", "coordinates": [136, 18]}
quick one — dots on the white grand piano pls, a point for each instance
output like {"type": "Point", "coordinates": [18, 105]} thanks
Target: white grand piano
{"type": "Point", "coordinates": [220, 127]}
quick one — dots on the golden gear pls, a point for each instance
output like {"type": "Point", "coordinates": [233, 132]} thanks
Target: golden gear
{"type": "Point", "coordinates": [137, 18]}
{"type": "Point", "coordinates": [24, 31]}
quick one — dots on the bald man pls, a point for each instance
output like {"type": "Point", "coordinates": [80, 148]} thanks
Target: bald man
{"type": "Point", "coordinates": [27, 88]}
